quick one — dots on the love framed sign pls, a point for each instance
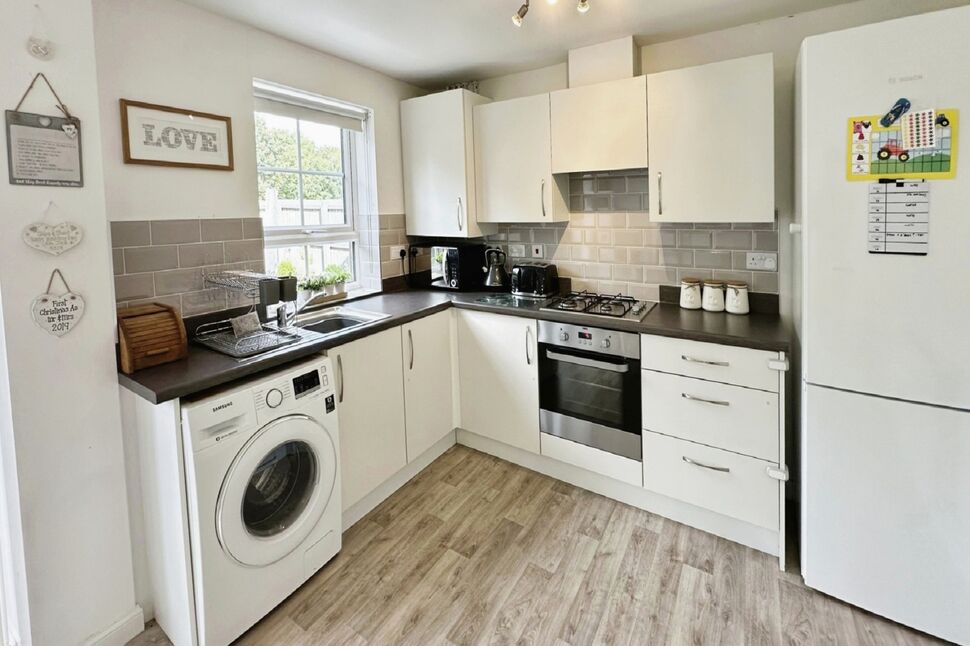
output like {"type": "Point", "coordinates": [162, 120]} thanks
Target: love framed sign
{"type": "Point", "coordinates": [160, 135]}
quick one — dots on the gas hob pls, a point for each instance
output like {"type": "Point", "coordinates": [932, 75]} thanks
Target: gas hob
{"type": "Point", "coordinates": [593, 305]}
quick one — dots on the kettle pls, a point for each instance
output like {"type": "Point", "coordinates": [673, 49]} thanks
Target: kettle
{"type": "Point", "coordinates": [497, 276]}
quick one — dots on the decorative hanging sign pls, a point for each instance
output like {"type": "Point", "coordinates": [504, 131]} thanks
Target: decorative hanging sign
{"type": "Point", "coordinates": [57, 314]}
{"type": "Point", "coordinates": [54, 239]}
{"type": "Point", "coordinates": [43, 150]}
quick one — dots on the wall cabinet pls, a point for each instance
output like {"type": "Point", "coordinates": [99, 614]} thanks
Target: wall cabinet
{"type": "Point", "coordinates": [439, 164]}
{"type": "Point", "coordinates": [712, 142]}
{"type": "Point", "coordinates": [372, 435]}
{"type": "Point", "coordinates": [427, 381]}
{"type": "Point", "coordinates": [512, 163]}
{"type": "Point", "coordinates": [499, 378]}
{"type": "Point", "coordinates": [600, 127]}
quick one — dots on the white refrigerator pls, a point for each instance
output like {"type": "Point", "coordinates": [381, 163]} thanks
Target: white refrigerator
{"type": "Point", "coordinates": [885, 411]}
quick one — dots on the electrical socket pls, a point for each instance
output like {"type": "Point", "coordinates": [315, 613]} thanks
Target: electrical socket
{"type": "Point", "coordinates": [398, 250]}
{"type": "Point", "coordinates": [761, 260]}
{"type": "Point", "coordinates": [517, 250]}
{"type": "Point", "coordinates": [537, 251]}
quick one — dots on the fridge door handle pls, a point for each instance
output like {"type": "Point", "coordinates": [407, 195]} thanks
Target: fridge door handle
{"type": "Point", "coordinates": [779, 472]}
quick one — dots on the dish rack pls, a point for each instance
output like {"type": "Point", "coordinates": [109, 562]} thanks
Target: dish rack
{"type": "Point", "coordinates": [219, 335]}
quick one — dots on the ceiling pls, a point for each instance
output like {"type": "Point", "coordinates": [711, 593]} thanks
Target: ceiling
{"type": "Point", "coordinates": [433, 42]}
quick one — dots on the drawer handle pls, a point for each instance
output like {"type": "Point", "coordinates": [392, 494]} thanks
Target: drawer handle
{"type": "Point", "coordinates": [705, 466]}
{"type": "Point", "coordinates": [705, 401]}
{"type": "Point", "coordinates": [724, 364]}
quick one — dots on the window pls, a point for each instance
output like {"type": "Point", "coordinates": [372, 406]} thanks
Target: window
{"type": "Point", "coordinates": [305, 161]}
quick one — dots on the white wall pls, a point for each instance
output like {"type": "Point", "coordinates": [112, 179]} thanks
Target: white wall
{"type": "Point", "coordinates": [174, 54]}
{"type": "Point", "coordinates": [782, 37]}
{"type": "Point", "coordinates": [59, 399]}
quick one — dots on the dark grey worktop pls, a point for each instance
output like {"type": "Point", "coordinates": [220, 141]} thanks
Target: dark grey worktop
{"type": "Point", "coordinates": [204, 369]}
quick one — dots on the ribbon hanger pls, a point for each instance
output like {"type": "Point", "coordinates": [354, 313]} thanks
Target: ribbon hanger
{"type": "Point", "coordinates": [60, 104]}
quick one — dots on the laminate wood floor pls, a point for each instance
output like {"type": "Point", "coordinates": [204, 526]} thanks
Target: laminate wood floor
{"type": "Point", "coordinates": [475, 550]}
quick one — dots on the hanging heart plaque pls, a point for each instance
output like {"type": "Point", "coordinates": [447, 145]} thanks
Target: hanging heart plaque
{"type": "Point", "coordinates": [57, 314]}
{"type": "Point", "coordinates": [54, 239]}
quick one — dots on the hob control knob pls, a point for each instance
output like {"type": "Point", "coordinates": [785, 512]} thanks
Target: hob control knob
{"type": "Point", "coordinates": [274, 398]}
{"type": "Point", "coordinates": [564, 336]}
{"type": "Point", "coordinates": [606, 343]}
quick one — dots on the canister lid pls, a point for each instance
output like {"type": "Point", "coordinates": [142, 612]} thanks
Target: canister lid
{"type": "Point", "coordinates": [690, 281]}
{"type": "Point", "coordinates": [737, 284]}
{"type": "Point", "coordinates": [714, 283]}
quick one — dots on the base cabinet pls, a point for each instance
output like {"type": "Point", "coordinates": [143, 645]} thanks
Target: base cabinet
{"type": "Point", "coordinates": [370, 402]}
{"type": "Point", "coordinates": [499, 378]}
{"type": "Point", "coordinates": [427, 381]}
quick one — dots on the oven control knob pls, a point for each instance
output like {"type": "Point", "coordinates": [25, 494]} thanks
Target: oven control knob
{"type": "Point", "coordinates": [606, 343]}
{"type": "Point", "coordinates": [274, 397]}
{"type": "Point", "coordinates": [564, 336]}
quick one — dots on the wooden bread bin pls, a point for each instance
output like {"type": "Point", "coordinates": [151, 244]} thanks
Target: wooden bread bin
{"type": "Point", "coordinates": [149, 335]}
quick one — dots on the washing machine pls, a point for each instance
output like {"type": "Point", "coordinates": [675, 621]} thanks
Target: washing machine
{"type": "Point", "coordinates": [262, 483]}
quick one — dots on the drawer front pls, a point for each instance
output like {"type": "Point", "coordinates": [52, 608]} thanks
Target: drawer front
{"type": "Point", "coordinates": [586, 457]}
{"type": "Point", "coordinates": [724, 363]}
{"type": "Point", "coordinates": [727, 417]}
{"type": "Point", "coordinates": [741, 489]}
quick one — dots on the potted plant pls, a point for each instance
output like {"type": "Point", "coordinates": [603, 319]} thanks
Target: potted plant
{"type": "Point", "coordinates": [336, 277]}
{"type": "Point", "coordinates": [310, 287]}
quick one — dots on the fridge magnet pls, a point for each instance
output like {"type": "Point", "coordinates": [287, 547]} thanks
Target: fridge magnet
{"type": "Point", "coordinates": [160, 135]}
{"type": "Point", "coordinates": [57, 314]}
{"type": "Point", "coordinates": [43, 150]}
{"type": "Point", "coordinates": [916, 145]}
{"type": "Point", "coordinates": [899, 217]}
{"type": "Point", "coordinates": [54, 239]}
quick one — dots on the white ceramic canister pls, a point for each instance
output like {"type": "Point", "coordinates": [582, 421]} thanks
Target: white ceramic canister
{"type": "Point", "coordinates": [713, 295]}
{"type": "Point", "coordinates": [736, 298]}
{"type": "Point", "coordinates": [690, 293]}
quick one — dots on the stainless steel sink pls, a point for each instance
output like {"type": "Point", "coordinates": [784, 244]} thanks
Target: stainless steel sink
{"type": "Point", "coordinates": [335, 319]}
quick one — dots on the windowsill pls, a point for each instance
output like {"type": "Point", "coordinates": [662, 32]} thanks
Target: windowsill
{"type": "Point", "coordinates": [351, 296]}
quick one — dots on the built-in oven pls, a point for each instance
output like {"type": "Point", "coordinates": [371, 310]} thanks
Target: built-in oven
{"type": "Point", "coordinates": [589, 387]}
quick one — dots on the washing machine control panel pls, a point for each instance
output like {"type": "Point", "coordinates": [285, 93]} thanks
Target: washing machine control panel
{"type": "Point", "coordinates": [306, 383]}
{"type": "Point", "coordinates": [291, 391]}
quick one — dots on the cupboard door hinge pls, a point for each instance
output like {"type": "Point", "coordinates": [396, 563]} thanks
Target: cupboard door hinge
{"type": "Point", "coordinates": [778, 364]}
{"type": "Point", "coordinates": [778, 473]}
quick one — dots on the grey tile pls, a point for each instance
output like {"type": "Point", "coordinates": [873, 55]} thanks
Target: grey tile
{"type": "Point", "coordinates": [575, 203]}
{"type": "Point", "coordinates": [712, 225]}
{"type": "Point", "coordinates": [693, 273]}
{"type": "Point", "coordinates": [118, 261]}
{"type": "Point", "coordinates": [243, 250]}
{"type": "Point", "coordinates": [597, 203]}
{"type": "Point", "coordinates": [660, 238]}
{"type": "Point", "coordinates": [646, 256]}
{"type": "Point", "coordinates": [579, 185]}
{"type": "Point", "coordinates": [765, 281]}
{"type": "Point", "coordinates": [175, 301]}
{"type": "Point", "coordinates": [628, 202]}
{"type": "Point", "coordinates": [637, 184]}
{"type": "Point", "coordinates": [660, 275]}
{"type": "Point", "coordinates": [677, 257]}
{"type": "Point", "coordinates": [629, 273]}
{"type": "Point", "coordinates": [133, 286]}
{"type": "Point", "coordinates": [141, 259]}
{"type": "Point", "coordinates": [199, 255]}
{"type": "Point", "coordinates": [691, 239]}
{"type": "Point", "coordinates": [201, 302]}
{"type": "Point", "coordinates": [732, 239]}
{"type": "Point", "coordinates": [131, 234]}
{"type": "Point", "coordinates": [766, 240]}
{"type": "Point", "coordinates": [222, 229]}
{"type": "Point", "coordinates": [610, 184]}
{"type": "Point", "coordinates": [733, 275]}
{"type": "Point", "coordinates": [178, 281]}
{"type": "Point", "coordinates": [176, 231]}
{"type": "Point", "coordinates": [740, 259]}
{"type": "Point", "coordinates": [768, 226]}
{"type": "Point", "coordinates": [253, 228]}
{"type": "Point", "coordinates": [545, 236]}
{"type": "Point", "coordinates": [712, 259]}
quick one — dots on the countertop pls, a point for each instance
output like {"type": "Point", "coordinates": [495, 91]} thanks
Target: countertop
{"type": "Point", "coordinates": [204, 369]}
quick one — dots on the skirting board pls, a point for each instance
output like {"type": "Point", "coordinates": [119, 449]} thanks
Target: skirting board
{"type": "Point", "coordinates": [120, 632]}
{"type": "Point", "coordinates": [738, 531]}
{"type": "Point", "coordinates": [398, 480]}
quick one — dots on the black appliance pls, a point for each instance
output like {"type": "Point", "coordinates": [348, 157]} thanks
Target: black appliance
{"type": "Point", "coordinates": [459, 267]}
{"type": "Point", "coordinates": [535, 279]}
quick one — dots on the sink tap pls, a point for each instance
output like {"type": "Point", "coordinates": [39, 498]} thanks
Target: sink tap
{"type": "Point", "coordinates": [285, 315]}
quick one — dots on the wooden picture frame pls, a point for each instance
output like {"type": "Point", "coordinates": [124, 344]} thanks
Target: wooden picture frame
{"type": "Point", "coordinates": [160, 135]}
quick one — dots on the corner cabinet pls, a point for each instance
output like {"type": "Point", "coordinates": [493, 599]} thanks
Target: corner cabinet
{"type": "Point", "coordinates": [712, 142]}
{"type": "Point", "coordinates": [600, 127]}
{"type": "Point", "coordinates": [428, 381]}
{"type": "Point", "coordinates": [439, 164]}
{"type": "Point", "coordinates": [499, 378]}
{"type": "Point", "coordinates": [372, 437]}
{"type": "Point", "coordinates": [512, 163]}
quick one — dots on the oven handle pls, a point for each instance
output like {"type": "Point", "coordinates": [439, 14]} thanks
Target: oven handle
{"type": "Point", "coordinates": [589, 363]}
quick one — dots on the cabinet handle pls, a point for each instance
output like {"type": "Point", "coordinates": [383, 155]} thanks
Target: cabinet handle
{"type": "Point", "coordinates": [705, 401]}
{"type": "Point", "coordinates": [660, 192]}
{"type": "Point", "coordinates": [458, 213]}
{"type": "Point", "coordinates": [340, 379]}
{"type": "Point", "coordinates": [411, 345]}
{"type": "Point", "coordinates": [723, 364]}
{"type": "Point", "coordinates": [705, 466]}
{"type": "Point", "coordinates": [528, 344]}
{"type": "Point", "coordinates": [542, 196]}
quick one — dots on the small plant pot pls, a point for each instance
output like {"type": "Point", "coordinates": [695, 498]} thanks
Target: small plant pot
{"type": "Point", "coordinates": [330, 290]}
{"type": "Point", "coordinates": [340, 288]}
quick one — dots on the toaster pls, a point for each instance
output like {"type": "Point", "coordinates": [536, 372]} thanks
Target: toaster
{"type": "Point", "coordinates": [536, 279]}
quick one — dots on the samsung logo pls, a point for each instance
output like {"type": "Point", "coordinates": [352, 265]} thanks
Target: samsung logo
{"type": "Point", "coordinates": [220, 407]}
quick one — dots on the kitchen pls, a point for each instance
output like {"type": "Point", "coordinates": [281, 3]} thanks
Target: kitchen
{"type": "Point", "coordinates": [453, 422]}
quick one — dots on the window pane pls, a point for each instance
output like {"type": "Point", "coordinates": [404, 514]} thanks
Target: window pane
{"type": "Point", "coordinates": [320, 146]}
{"type": "Point", "coordinates": [340, 254]}
{"type": "Point", "coordinates": [275, 141]}
{"type": "Point", "coordinates": [279, 203]}
{"type": "Point", "coordinates": [323, 201]}
{"type": "Point", "coordinates": [286, 261]}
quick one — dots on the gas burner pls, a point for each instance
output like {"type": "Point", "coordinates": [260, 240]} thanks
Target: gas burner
{"type": "Point", "coordinates": [611, 305]}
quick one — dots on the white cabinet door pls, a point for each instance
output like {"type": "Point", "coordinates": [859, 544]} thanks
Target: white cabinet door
{"type": "Point", "coordinates": [512, 163]}
{"type": "Point", "coordinates": [439, 164]}
{"type": "Point", "coordinates": [600, 127]}
{"type": "Point", "coordinates": [499, 378]}
{"type": "Point", "coordinates": [712, 143]}
{"type": "Point", "coordinates": [428, 381]}
{"type": "Point", "coordinates": [370, 403]}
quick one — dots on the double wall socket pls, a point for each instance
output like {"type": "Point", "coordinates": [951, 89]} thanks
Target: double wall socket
{"type": "Point", "coordinates": [397, 251]}
{"type": "Point", "coordinates": [762, 260]}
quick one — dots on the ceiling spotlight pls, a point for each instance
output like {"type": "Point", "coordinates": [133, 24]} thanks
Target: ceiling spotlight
{"type": "Point", "coordinates": [583, 6]}
{"type": "Point", "coordinates": [520, 14]}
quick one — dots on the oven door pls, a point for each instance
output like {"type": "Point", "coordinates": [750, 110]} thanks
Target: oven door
{"type": "Point", "coordinates": [590, 398]}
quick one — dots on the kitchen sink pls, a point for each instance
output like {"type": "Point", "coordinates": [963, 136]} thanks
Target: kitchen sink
{"type": "Point", "coordinates": [335, 319]}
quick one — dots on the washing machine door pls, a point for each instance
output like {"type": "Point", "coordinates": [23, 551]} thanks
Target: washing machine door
{"type": "Point", "coordinates": [275, 491]}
